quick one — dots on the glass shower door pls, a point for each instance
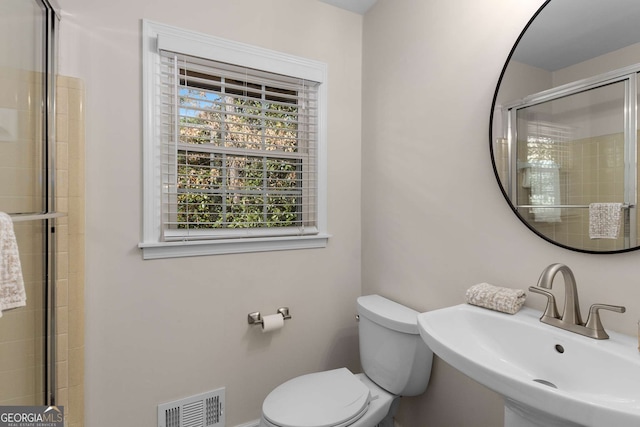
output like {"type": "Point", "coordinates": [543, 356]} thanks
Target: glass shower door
{"type": "Point", "coordinates": [572, 151]}
{"type": "Point", "coordinates": [26, 193]}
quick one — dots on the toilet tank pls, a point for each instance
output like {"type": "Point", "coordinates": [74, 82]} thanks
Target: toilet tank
{"type": "Point", "coordinates": [392, 353]}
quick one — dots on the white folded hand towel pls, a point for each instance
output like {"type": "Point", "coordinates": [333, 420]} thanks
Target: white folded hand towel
{"type": "Point", "coordinates": [496, 298]}
{"type": "Point", "coordinates": [12, 293]}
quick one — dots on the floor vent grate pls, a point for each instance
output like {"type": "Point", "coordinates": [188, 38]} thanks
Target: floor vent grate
{"type": "Point", "coordinates": [202, 410]}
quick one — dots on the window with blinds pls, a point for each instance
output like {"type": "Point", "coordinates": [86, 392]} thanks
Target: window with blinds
{"type": "Point", "coordinates": [234, 146]}
{"type": "Point", "coordinates": [238, 151]}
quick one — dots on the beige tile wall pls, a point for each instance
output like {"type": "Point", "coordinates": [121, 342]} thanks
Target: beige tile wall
{"type": "Point", "coordinates": [21, 330]}
{"type": "Point", "coordinates": [70, 249]}
{"type": "Point", "coordinates": [595, 173]}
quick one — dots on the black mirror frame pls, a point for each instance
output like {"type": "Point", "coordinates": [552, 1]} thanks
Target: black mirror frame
{"type": "Point", "coordinates": [493, 161]}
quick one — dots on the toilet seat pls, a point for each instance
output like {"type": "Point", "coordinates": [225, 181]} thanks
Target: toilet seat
{"type": "Point", "coordinates": [333, 398]}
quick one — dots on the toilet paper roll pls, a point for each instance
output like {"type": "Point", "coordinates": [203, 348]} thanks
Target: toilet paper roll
{"type": "Point", "coordinates": [272, 322]}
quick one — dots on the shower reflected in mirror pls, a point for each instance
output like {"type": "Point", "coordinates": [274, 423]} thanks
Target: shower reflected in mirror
{"type": "Point", "coordinates": [564, 125]}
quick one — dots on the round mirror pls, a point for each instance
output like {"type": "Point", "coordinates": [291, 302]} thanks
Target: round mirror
{"type": "Point", "coordinates": [564, 125]}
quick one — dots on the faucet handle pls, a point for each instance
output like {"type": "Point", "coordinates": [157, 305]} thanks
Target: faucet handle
{"type": "Point", "coordinates": [594, 323]}
{"type": "Point", "coordinates": [552, 309]}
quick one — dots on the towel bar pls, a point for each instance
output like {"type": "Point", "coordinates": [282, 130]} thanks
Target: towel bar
{"type": "Point", "coordinates": [33, 217]}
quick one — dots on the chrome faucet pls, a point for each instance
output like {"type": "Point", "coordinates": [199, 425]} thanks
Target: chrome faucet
{"type": "Point", "coordinates": [570, 319]}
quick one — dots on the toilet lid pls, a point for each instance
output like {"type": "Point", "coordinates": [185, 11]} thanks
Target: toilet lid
{"type": "Point", "coordinates": [322, 399]}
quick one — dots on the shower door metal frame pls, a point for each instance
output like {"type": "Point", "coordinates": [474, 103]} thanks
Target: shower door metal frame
{"type": "Point", "coordinates": [51, 47]}
{"type": "Point", "coordinates": [629, 76]}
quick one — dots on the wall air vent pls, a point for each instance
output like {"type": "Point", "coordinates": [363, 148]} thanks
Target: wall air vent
{"type": "Point", "coordinates": [202, 410]}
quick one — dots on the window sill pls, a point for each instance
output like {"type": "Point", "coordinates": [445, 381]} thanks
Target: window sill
{"type": "Point", "coordinates": [161, 250]}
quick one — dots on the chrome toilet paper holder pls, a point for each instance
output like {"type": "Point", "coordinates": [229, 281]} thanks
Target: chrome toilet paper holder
{"type": "Point", "coordinates": [255, 318]}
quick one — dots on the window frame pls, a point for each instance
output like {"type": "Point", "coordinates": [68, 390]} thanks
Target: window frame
{"type": "Point", "coordinates": [157, 36]}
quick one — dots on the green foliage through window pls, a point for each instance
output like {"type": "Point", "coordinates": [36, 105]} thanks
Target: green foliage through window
{"type": "Point", "coordinates": [239, 154]}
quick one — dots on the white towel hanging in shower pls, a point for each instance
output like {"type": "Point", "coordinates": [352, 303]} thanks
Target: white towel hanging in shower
{"type": "Point", "coordinates": [12, 293]}
{"type": "Point", "coordinates": [544, 179]}
{"type": "Point", "coordinates": [604, 220]}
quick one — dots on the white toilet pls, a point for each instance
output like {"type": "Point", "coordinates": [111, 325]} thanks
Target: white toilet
{"type": "Point", "coordinates": [395, 360]}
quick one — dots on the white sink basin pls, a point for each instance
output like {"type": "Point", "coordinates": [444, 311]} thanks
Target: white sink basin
{"type": "Point", "coordinates": [548, 376]}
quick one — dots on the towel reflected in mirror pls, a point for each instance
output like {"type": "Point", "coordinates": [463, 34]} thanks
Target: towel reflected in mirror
{"type": "Point", "coordinates": [542, 177]}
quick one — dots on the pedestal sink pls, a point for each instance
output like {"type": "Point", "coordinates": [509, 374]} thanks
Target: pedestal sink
{"type": "Point", "coordinates": [548, 376]}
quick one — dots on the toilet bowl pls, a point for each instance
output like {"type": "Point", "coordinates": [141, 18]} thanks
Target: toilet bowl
{"type": "Point", "coordinates": [330, 398]}
{"type": "Point", "coordinates": [395, 361]}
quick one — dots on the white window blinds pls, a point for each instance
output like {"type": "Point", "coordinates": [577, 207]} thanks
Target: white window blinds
{"type": "Point", "coordinates": [239, 151]}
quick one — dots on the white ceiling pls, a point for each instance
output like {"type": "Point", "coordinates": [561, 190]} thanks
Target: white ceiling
{"type": "Point", "coordinates": [357, 6]}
